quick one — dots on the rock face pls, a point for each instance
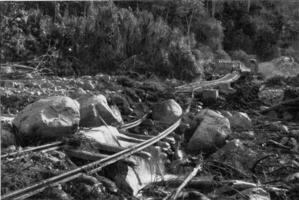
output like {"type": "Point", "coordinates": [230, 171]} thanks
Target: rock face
{"type": "Point", "coordinates": [92, 108]}
{"type": "Point", "coordinates": [238, 120]}
{"type": "Point", "coordinates": [167, 112]}
{"type": "Point", "coordinates": [210, 133]}
{"type": "Point", "coordinates": [55, 116]}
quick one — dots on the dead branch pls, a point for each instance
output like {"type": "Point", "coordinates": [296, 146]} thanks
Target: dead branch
{"type": "Point", "coordinates": [185, 182]}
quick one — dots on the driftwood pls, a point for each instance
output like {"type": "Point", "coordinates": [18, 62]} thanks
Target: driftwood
{"type": "Point", "coordinates": [185, 182]}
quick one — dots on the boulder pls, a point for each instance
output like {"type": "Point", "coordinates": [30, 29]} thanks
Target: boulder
{"type": "Point", "coordinates": [95, 107]}
{"type": "Point", "coordinates": [271, 96]}
{"type": "Point", "coordinates": [167, 111]}
{"type": "Point", "coordinates": [54, 116]}
{"type": "Point", "coordinates": [237, 155]}
{"type": "Point", "coordinates": [238, 120]}
{"type": "Point", "coordinates": [211, 133]}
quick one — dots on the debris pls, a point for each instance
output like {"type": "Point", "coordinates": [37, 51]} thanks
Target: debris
{"type": "Point", "coordinates": [282, 66]}
{"type": "Point", "coordinates": [252, 194]}
{"type": "Point", "coordinates": [187, 179]}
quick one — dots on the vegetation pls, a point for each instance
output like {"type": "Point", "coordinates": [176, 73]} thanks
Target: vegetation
{"type": "Point", "coordinates": [172, 38]}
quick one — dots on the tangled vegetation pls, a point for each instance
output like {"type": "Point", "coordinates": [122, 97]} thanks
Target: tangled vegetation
{"type": "Point", "coordinates": [171, 39]}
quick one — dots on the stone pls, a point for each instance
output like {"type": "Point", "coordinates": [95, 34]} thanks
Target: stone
{"type": "Point", "coordinates": [237, 155]}
{"type": "Point", "coordinates": [95, 107]}
{"type": "Point", "coordinates": [292, 178]}
{"type": "Point", "coordinates": [7, 137]}
{"type": "Point", "coordinates": [211, 133]}
{"type": "Point", "coordinates": [55, 116]}
{"type": "Point", "coordinates": [88, 85]}
{"type": "Point", "coordinates": [167, 111]}
{"type": "Point", "coordinates": [238, 120]}
{"type": "Point", "coordinates": [210, 95]}
{"type": "Point", "coordinates": [271, 96]}
{"type": "Point", "coordinates": [122, 102]}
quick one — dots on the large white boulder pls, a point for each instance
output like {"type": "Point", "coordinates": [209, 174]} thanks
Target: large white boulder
{"type": "Point", "coordinates": [54, 116]}
{"type": "Point", "coordinates": [238, 120]}
{"type": "Point", "coordinates": [211, 133]}
{"type": "Point", "coordinates": [95, 107]}
{"type": "Point", "coordinates": [167, 111]}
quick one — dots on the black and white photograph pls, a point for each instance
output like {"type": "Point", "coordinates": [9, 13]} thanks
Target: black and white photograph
{"type": "Point", "coordinates": [149, 100]}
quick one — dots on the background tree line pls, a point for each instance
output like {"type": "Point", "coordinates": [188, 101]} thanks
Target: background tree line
{"type": "Point", "coordinates": [169, 38]}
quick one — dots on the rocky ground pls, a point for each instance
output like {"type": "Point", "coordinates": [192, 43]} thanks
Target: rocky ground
{"type": "Point", "coordinates": [243, 145]}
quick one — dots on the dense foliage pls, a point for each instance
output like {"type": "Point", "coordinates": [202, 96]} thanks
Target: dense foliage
{"type": "Point", "coordinates": [171, 38]}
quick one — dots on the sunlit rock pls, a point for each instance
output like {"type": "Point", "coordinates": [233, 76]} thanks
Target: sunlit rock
{"type": "Point", "coordinates": [95, 109]}
{"type": "Point", "coordinates": [167, 112]}
{"type": "Point", "coordinates": [55, 116]}
{"type": "Point", "coordinates": [211, 132]}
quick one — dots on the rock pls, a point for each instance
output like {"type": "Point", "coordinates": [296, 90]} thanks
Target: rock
{"type": "Point", "coordinates": [122, 102]}
{"type": "Point", "coordinates": [238, 120]}
{"type": "Point", "coordinates": [55, 116]}
{"type": "Point", "coordinates": [7, 137]}
{"type": "Point", "coordinates": [237, 155]}
{"type": "Point", "coordinates": [292, 178]}
{"type": "Point", "coordinates": [211, 133]}
{"type": "Point", "coordinates": [103, 135]}
{"type": "Point", "coordinates": [88, 85]}
{"type": "Point", "coordinates": [252, 194]}
{"type": "Point", "coordinates": [244, 135]}
{"type": "Point", "coordinates": [210, 95]}
{"type": "Point", "coordinates": [271, 96]}
{"type": "Point", "coordinates": [167, 111]}
{"type": "Point", "coordinates": [93, 108]}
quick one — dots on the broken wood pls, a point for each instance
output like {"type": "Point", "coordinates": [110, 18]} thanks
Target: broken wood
{"type": "Point", "coordinates": [185, 182]}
